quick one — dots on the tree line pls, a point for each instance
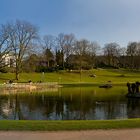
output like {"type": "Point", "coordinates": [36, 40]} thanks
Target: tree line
{"type": "Point", "coordinates": [33, 53]}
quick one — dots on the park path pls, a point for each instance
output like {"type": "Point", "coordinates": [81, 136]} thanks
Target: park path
{"type": "Point", "coordinates": [133, 134]}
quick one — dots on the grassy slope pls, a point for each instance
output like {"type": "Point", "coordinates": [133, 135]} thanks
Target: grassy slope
{"type": "Point", "coordinates": [68, 125]}
{"type": "Point", "coordinates": [70, 77]}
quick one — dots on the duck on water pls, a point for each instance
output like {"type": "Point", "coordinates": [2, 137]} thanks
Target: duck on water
{"type": "Point", "coordinates": [133, 90]}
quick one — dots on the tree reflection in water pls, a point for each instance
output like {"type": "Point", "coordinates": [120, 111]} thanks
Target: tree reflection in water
{"type": "Point", "coordinates": [77, 103]}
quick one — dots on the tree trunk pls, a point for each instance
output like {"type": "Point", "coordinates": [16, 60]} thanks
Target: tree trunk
{"type": "Point", "coordinates": [17, 76]}
{"type": "Point", "coordinates": [17, 72]}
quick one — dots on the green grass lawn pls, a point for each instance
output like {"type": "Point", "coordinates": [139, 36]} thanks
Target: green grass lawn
{"type": "Point", "coordinates": [68, 125]}
{"type": "Point", "coordinates": [102, 76]}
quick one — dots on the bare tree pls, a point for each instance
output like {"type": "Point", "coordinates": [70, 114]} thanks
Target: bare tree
{"type": "Point", "coordinates": [65, 43]}
{"type": "Point", "coordinates": [81, 51]}
{"type": "Point", "coordinates": [112, 52]}
{"type": "Point", "coordinates": [131, 53]}
{"type": "Point", "coordinates": [69, 43]}
{"type": "Point", "coordinates": [138, 56]}
{"type": "Point", "coordinates": [21, 37]}
{"type": "Point", "coordinates": [122, 59]}
{"type": "Point", "coordinates": [81, 47]}
{"type": "Point", "coordinates": [60, 45]}
{"type": "Point", "coordinates": [93, 49]}
{"type": "Point", "coordinates": [60, 41]}
{"type": "Point", "coordinates": [5, 45]}
{"type": "Point", "coordinates": [138, 49]}
{"type": "Point", "coordinates": [48, 45]}
{"type": "Point", "coordinates": [49, 42]}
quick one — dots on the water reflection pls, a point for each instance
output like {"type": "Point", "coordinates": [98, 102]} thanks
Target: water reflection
{"type": "Point", "coordinates": [69, 104]}
{"type": "Point", "coordinates": [133, 108]}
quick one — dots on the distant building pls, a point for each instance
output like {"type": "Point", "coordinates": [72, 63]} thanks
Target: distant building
{"type": "Point", "coordinates": [8, 60]}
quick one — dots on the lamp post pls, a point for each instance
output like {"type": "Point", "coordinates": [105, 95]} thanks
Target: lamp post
{"type": "Point", "coordinates": [42, 77]}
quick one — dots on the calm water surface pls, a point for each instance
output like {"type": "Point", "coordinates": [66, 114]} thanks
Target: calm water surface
{"type": "Point", "coordinates": [70, 103]}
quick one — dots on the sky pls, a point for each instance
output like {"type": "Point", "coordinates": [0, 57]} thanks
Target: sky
{"type": "Point", "coordinates": [103, 21]}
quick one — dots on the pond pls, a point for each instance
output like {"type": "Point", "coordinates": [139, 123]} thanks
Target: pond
{"type": "Point", "coordinates": [70, 103]}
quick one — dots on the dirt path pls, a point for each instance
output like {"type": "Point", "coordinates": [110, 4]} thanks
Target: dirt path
{"type": "Point", "coordinates": [133, 134]}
